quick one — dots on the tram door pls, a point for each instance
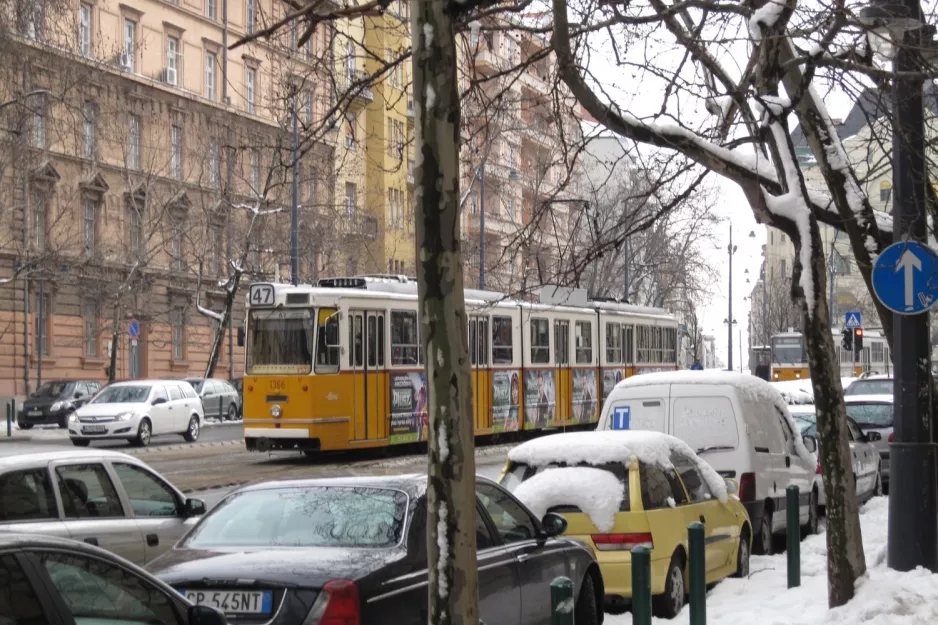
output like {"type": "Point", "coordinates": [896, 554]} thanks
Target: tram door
{"type": "Point", "coordinates": [366, 359]}
{"type": "Point", "coordinates": [481, 376]}
{"type": "Point", "coordinates": [564, 379]}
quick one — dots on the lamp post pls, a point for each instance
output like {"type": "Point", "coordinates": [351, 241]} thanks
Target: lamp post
{"type": "Point", "coordinates": [295, 209]}
{"type": "Point", "coordinates": [898, 32]}
{"type": "Point", "coordinates": [731, 249]}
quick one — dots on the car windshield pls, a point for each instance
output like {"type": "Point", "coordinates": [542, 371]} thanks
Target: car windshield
{"type": "Point", "coordinates": [870, 387]}
{"type": "Point", "coordinates": [787, 350]}
{"type": "Point", "coordinates": [327, 516]}
{"type": "Point", "coordinates": [280, 341]}
{"type": "Point", "coordinates": [130, 394]}
{"type": "Point", "coordinates": [871, 415]}
{"type": "Point", "coordinates": [807, 423]}
{"type": "Point", "coordinates": [54, 389]}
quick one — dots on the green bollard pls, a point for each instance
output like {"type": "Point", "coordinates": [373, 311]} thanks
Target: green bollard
{"type": "Point", "coordinates": [793, 535]}
{"type": "Point", "coordinates": [561, 601]}
{"type": "Point", "coordinates": [10, 405]}
{"type": "Point", "coordinates": [641, 585]}
{"type": "Point", "coordinates": [697, 573]}
{"type": "Point", "coordinates": [221, 415]}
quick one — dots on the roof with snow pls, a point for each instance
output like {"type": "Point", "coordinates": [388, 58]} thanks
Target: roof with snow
{"type": "Point", "coordinates": [710, 376]}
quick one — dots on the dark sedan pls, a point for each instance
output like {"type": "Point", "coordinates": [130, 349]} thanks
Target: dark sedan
{"type": "Point", "coordinates": [57, 581]}
{"type": "Point", "coordinates": [54, 401]}
{"type": "Point", "coordinates": [355, 551]}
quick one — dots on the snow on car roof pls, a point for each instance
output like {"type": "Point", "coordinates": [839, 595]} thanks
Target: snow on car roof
{"type": "Point", "coordinates": [605, 446]}
{"type": "Point", "coordinates": [596, 492]}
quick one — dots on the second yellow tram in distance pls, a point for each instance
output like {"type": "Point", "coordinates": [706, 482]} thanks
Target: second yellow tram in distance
{"type": "Point", "coordinates": [339, 365]}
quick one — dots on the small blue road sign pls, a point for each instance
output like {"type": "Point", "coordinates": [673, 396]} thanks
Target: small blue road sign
{"type": "Point", "coordinates": [134, 329]}
{"type": "Point", "coordinates": [853, 320]}
{"type": "Point", "coordinates": [621, 417]}
{"type": "Point", "coordinates": [905, 278]}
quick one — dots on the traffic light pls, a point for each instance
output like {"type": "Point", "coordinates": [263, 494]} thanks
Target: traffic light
{"type": "Point", "coordinates": [847, 343]}
{"type": "Point", "coordinates": [858, 339]}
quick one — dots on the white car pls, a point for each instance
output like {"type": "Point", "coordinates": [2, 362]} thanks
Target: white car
{"type": "Point", "coordinates": [138, 410]}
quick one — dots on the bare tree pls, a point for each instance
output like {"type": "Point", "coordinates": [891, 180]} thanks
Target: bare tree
{"type": "Point", "coordinates": [779, 314]}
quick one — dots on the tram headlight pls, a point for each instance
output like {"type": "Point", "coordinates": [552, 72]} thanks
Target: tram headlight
{"type": "Point", "coordinates": [275, 411]}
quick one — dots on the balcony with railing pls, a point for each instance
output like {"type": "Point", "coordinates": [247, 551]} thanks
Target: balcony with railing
{"type": "Point", "coordinates": [358, 226]}
{"type": "Point", "coordinates": [357, 86]}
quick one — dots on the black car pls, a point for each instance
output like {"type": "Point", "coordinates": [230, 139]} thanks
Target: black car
{"type": "Point", "coordinates": [281, 553]}
{"type": "Point", "coordinates": [220, 400]}
{"type": "Point", "coordinates": [57, 581]}
{"type": "Point", "coordinates": [54, 401]}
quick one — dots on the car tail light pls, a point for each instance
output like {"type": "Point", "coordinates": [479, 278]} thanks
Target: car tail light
{"type": "Point", "coordinates": [892, 436]}
{"type": "Point", "coordinates": [747, 487]}
{"type": "Point", "coordinates": [621, 542]}
{"type": "Point", "coordinates": [337, 604]}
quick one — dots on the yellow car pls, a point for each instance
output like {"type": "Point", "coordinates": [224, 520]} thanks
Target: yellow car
{"type": "Point", "coordinates": [622, 489]}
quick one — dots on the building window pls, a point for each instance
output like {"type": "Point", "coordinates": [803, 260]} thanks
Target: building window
{"type": "Point", "coordinates": [784, 270]}
{"type": "Point", "coordinates": [350, 200]}
{"type": "Point", "coordinates": [214, 164]}
{"type": "Point", "coordinates": [179, 333]}
{"type": "Point", "coordinates": [176, 246]}
{"type": "Point", "coordinates": [133, 143]}
{"type": "Point", "coordinates": [255, 172]}
{"type": "Point", "coordinates": [33, 18]}
{"type": "Point", "coordinates": [43, 312]}
{"type": "Point", "coordinates": [90, 315]}
{"type": "Point", "coordinates": [136, 231]}
{"type": "Point", "coordinates": [250, 85]}
{"type": "Point", "coordinates": [350, 60]}
{"type": "Point", "coordinates": [211, 9]}
{"type": "Point", "coordinates": [39, 220]}
{"type": "Point", "coordinates": [251, 18]}
{"type": "Point", "coordinates": [214, 251]}
{"type": "Point", "coordinates": [90, 130]}
{"type": "Point", "coordinates": [176, 161]}
{"type": "Point", "coordinates": [293, 35]}
{"type": "Point", "coordinates": [510, 208]}
{"type": "Point", "coordinates": [210, 76]}
{"type": "Point", "coordinates": [308, 107]}
{"type": "Point", "coordinates": [38, 135]}
{"type": "Point", "coordinates": [89, 225]}
{"type": "Point", "coordinates": [255, 258]}
{"type": "Point", "coordinates": [172, 60]}
{"type": "Point", "coordinates": [130, 44]}
{"type": "Point", "coordinates": [84, 30]}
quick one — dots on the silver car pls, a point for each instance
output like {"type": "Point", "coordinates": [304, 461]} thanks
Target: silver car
{"type": "Point", "coordinates": [101, 497]}
{"type": "Point", "coordinates": [873, 413]}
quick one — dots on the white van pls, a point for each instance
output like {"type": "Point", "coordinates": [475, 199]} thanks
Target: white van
{"type": "Point", "coordinates": [736, 422]}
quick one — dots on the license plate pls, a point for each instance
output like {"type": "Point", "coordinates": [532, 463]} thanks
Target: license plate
{"type": "Point", "coordinates": [232, 601]}
{"type": "Point", "coordinates": [94, 429]}
{"type": "Point", "coordinates": [35, 413]}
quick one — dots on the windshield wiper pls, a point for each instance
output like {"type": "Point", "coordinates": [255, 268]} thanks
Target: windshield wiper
{"type": "Point", "coordinates": [715, 448]}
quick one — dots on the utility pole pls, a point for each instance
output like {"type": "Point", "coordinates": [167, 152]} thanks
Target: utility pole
{"type": "Point", "coordinates": [482, 226]}
{"type": "Point", "coordinates": [229, 164]}
{"type": "Point", "coordinates": [625, 297]}
{"type": "Point", "coordinates": [729, 320]}
{"type": "Point", "coordinates": [40, 329]}
{"type": "Point", "coordinates": [913, 513]}
{"type": "Point", "coordinates": [295, 213]}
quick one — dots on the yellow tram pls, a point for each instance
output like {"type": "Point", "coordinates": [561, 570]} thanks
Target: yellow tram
{"type": "Point", "coordinates": [790, 358]}
{"type": "Point", "coordinates": [339, 365]}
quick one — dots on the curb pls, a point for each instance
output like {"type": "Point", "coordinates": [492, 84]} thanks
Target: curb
{"type": "Point", "coordinates": [147, 450]}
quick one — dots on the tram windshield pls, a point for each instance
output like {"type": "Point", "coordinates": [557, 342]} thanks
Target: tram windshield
{"type": "Point", "coordinates": [280, 341]}
{"type": "Point", "coordinates": [787, 350]}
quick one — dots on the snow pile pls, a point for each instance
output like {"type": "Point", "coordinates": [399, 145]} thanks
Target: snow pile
{"type": "Point", "coordinates": [604, 446]}
{"type": "Point", "coordinates": [795, 391]}
{"type": "Point", "coordinates": [884, 596]}
{"type": "Point", "coordinates": [765, 17]}
{"type": "Point", "coordinates": [598, 493]}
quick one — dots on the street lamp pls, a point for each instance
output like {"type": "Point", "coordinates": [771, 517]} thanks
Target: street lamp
{"type": "Point", "coordinates": [729, 351]}
{"type": "Point", "coordinates": [899, 33]}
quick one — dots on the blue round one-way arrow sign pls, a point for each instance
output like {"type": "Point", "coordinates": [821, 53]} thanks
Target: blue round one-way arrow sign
{"type": "Point", "coordinates": [905, 278]}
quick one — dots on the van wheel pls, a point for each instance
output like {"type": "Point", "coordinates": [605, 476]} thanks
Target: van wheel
{"type": "Point", "coordinates": [670, 603]}
{"type": "Point", "coordinates": [586, 612]}
{"type": "Point", "coordinates": [763, 545]}
{"type": "Point", "coordinates": [742, 554]}
{"type": "Point", "coordinates": [192, 432]}
{"type": "Point", "coordinates": [812, 525]}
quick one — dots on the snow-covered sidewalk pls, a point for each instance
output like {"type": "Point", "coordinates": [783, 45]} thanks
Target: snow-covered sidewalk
{"type": "Point", "coordinates": [884, 596]}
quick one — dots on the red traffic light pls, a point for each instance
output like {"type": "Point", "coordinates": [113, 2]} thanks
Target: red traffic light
{"type": "Point", "coordinates": [858, 331]}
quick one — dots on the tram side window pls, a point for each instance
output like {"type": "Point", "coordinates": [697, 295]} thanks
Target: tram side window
{"type": "Point", "coordinates": [540, 341]}
{"type": "Point", "coordinates": [613, 343]}
{"type": "Point", "coordinates": [643, 347]}
{"type": "Point", "coordinates": [562, 342]}
{"type": "Point", "coordinates": [628, 344]}
{"type": "Point", "coordinates": [502, 346]}
{"type": "Point", "coordinates": [584, 342]}
{"type": "Point", "coordinates": [404, 338]}
{"type": "Point", "coordinates": [479, 340]}
{"type": "Point", "coordinates": [327, 341]}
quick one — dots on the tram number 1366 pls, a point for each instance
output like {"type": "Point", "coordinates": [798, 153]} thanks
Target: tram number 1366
{"type": "Point", "coordinates": [261, 295]}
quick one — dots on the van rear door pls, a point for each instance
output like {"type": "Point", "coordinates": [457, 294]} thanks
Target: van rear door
{"type": "Point", "coordinates": [638, 408]}
{"type": "Point", "coordinates": [703, 417]}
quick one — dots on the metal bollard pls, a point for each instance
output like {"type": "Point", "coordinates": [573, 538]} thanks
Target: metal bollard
{"type": "Point", "coordinates": [697, 573]}
{"type": "Point", "coordinates": [561, 601]}
{"type": "Point", "coordinates": [793, 535]}
{"type": "Point", "coordinates": [641, 585]}
{"type": "Point", "coordinates": [221, 415]}
{"type": "Point", "coordinates": [10, 405]}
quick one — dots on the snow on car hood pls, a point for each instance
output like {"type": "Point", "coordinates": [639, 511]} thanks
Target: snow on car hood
{"type": "Point", "coordinates": [110, 410]}
{"type": "Point", "coordinates": [598, 493]}
{"type": "Point", "coordinates": [604, 446]}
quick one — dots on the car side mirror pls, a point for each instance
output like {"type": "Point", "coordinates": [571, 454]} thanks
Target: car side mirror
{"type": "Point", "coordinates": [157, 401]}
{"type": "Point", "coordinates": [553, 524]}
{"type": "Point", "coordinates": [874, 436]}
{"type": "Point", "coordinates": [732, 488]}
{"type": "Point", "coordinates": [195, 507]}
{"type": "Point", "coordinates": [810, 443]}
{"type": "Point", "coordinates": [78, 395]}
{"type": "Point", "coordinates": [205, 615]}
{"type": "Point", "coordinates": [240, 337]}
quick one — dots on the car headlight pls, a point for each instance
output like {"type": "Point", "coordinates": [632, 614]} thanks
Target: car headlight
{"type": "Point", "coordinates": [73, 418]}
{"type": "Point", "coordinates": [125, 416]}
{"type": "Point", "coordinates": [57, 406]}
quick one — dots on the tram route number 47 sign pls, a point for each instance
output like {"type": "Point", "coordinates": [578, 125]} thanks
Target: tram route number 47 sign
{"type": "Point", "coordinates": [905, 278]}
{"type": "Point", "coordinates": [261, 295]}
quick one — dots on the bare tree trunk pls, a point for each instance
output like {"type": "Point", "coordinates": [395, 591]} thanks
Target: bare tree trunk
{"type": "Point", "coordinates": [451, 544]}
{"type": "Point", "coordinates": [115, 330]}
{"type": "Point", "coordinates": [845, 559]}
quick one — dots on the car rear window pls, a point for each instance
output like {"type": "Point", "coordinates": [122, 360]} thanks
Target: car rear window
{"type": "Point", "coordinates": [518, 473]}
{"type": "Point", "coordinates": [321, 516]}
{"type": "Point", "coordinates": [870, 387]}
{"type": "Point", "coordinates": [871, 415]}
